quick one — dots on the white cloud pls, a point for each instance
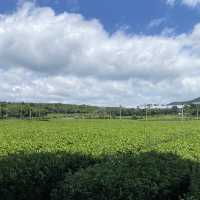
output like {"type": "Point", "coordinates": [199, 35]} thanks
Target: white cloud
{"type": "Point", "coordinates": [190, 3]}
{"type": "Point", "coordinates": [66, 58]}
{"type": "Point", "coordinates": [171, 2]}
{"type": "Point", "coordinates": [167, 31]}
{"type": "Point", "coordinates": [156, 22]}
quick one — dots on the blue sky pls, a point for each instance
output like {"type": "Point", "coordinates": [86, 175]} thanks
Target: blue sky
{"type": "Point", "coordinates": [108, 52]}
{"type": "Point", "coordinates": [133, 15]}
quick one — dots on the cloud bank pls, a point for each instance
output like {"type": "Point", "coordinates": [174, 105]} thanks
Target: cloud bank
{"type": "Point", "coordinates": [46, 57]}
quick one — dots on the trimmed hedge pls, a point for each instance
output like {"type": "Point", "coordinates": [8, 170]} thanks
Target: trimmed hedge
{"type": "Point", "coordinates": [127, 176]}
{"type": "Point", "coordinates": [146, 176]}
{"type": "Point", "coordinates": [32, 176]}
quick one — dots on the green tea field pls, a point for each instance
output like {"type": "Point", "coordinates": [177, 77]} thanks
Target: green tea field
{"type": "Point", "coordinates": [99, 159]}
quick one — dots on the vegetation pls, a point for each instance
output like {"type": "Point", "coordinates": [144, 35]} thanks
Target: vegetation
{"type": "Point", "coordinates": [34, 110]}
{"type": "Point", "coordinates": [99, 159]}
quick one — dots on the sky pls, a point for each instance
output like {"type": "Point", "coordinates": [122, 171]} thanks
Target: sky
{"type": "Point", "coordinates": [106, 53]}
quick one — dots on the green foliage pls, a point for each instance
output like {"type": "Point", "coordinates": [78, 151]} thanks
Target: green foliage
{"type": "Point", "coordinates": [38, 110]}
{"type": "Point", "coordinates": [150, 176]}
{"type": "Point", "coordinates": [32, 176]}
{"type": "Point", "coordinates": [80, 159]}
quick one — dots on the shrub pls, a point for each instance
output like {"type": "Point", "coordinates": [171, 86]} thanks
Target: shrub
{"type": "Point", "coordinates": [146, 176]}
{"type": "Point", "coordinates": [32, 176]}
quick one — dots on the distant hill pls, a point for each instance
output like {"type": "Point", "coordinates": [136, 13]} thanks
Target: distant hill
{"type": "Point", "coordinates": [185, 102]}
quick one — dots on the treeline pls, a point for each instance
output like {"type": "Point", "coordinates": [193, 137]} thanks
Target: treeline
{"type": "Point", "coordinates": [30, 110]}
{"type": "Point", "coordinates": [40, 110]}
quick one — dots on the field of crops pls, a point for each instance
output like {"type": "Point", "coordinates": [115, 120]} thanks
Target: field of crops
{"type": "Point", "coordinates": [99, 159]}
